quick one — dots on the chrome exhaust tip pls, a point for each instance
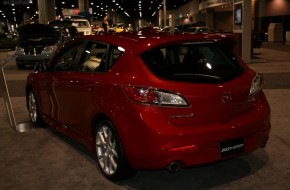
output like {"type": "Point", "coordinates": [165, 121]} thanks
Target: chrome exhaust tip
{"type": "Point", "coordinates": [173, 167]}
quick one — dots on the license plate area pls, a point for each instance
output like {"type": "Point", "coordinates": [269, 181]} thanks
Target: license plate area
{"type": "Point", "coordinates": [232, 147]}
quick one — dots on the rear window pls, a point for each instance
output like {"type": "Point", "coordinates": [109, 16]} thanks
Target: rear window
{"type": "Point", "coordinates": [81, 23]}
{"type": "Point", "coordinates": [194, 62]}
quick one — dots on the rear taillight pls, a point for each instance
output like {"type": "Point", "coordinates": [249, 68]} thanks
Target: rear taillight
{"type": "Point", "coordinates": [154, 96]}
{"type": "Point", "coordinates": [257, 85]}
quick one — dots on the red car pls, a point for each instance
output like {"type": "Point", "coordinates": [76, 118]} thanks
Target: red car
{"type": "Point", "coordinates": [152, 102]}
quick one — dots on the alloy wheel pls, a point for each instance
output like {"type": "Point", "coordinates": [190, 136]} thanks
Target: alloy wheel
{"type": "Point", "coordinates": [106, 150]}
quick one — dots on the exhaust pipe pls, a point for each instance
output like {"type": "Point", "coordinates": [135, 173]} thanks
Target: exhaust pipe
{"type": "Point", "coordinates": [173, 167]}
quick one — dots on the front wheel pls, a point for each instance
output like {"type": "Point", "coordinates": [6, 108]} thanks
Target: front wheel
{"type": "Point", "coordinates": [110, 153]}
{"type": "Point", "coordinates": [33, 108]}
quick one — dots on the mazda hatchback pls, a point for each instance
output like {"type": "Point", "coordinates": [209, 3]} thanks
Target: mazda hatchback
{"type": "Point", "coordinates": [152, 101]}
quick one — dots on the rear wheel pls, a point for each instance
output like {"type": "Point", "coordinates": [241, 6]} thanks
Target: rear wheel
{"type": "Point", "coordinates": [110, 154]}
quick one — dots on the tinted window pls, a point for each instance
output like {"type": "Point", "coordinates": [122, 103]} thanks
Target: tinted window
{"type": "Point", "coordinates": [197, 62]}
{"type": "Point", "coordinates": [81, 24]}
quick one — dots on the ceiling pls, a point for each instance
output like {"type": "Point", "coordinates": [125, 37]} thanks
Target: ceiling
{"type": "Point", "coordinates": [128, 8]}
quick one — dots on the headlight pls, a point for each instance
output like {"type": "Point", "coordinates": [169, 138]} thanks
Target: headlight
{"type": "Point", "coordinates": [19, 51]}
{"type": "Point", "coordinates": [49, 49]}
{"type": "Point", "coordinates": [257, 85]}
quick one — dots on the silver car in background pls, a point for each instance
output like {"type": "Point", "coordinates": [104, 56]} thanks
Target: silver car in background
{"type": "Point", "coordinates": [37, 43]}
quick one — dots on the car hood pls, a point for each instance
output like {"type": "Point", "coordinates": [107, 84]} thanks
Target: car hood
{"type": "Point", "coordinates": [37, 34]}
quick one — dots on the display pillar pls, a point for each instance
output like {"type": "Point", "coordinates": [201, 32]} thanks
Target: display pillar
{"type": "Point", "coordinates": [83, 5]}
{"type": "Point", "coordinates": [209, 18]}
{"type": "Point", "coordinates": [26, 17]}
{"type": "Point", "coordinates": [46, 11]}
{"type": "Point", "coordinates": [164, 13]}
{"type": "Point", "coordinates": [247, 30]}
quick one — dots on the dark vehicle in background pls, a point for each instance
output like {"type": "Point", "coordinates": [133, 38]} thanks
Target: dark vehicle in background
{"type": "Point", "coordinates": [200, 30]}
{"type": "Point", "coordinates": [8, 41]}
{"type": "Point", "coordinates": [182, 27]}
{"type": "Point", "coordinates": [37, 43]}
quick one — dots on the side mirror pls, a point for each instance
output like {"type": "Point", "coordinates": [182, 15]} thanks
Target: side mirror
{"type": "Point", "coordinates": [41, 67]}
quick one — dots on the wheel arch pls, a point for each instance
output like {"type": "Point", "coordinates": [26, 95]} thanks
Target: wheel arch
{"type": "Point", "coordinates": [96, 119]}
{"type": "Point", "coordinates": [126, 168]}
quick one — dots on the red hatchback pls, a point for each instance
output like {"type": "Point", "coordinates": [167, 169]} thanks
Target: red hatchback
{"type": "Point", "coordinates": [152, 102]}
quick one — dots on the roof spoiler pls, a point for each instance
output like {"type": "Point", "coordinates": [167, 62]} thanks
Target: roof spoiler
{"type": "Point", "coordinates": [225, 39]}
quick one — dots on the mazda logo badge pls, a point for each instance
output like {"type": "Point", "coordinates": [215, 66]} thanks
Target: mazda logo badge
{"type": "Point", "coordinates": [226, 97]}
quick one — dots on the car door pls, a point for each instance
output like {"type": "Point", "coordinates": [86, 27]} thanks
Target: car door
{"type": "Point", "coordinates": [77, 90]}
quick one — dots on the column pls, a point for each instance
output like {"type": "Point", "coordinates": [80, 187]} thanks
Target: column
{"type": "Point", "coordinates": [46, 11]}
{"type": "Point", "coordinates": [173, 21]}
{"type": "Point", "coordinates": [247, 29]}
{"type": "Point", "coordinates": [26, 17]}
{"type": "Point", "coordinates": [209, 17]}
{"type": "Point", "coordinates": [160, 17]}
{"type": "Point", "coordinates": [164, 13]}
{"type": "Point", "coordinates": [84, 5]}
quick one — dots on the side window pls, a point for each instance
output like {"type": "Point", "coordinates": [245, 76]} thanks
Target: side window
{"type": "Point", "coordinates": [115, 53]}
{"type": "Point", "coordinates": [94, 58]}
{"type": "Point", "coordinates": [66, 61]}
{"type": "Point", "coordinates": [99, 57]}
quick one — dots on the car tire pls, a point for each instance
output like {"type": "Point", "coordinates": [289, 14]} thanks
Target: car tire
{"type": "Point", "coordinates": [110, 154]}
{"type": "Point", "coordinates": [20, 65]}
{"type": "Point", "coordinates": [33, 109]}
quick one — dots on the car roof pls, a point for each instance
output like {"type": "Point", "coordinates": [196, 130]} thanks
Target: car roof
{"type": "Point", "coordinates": [64, 22]}
{"type": "Point", "coordinates": [138, 43]}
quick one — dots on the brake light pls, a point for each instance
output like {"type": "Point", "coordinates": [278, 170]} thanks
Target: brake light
{"type": "Point", "coordinates": [154, 96]}
{"type": "Point", "coordinates": [257, 85]}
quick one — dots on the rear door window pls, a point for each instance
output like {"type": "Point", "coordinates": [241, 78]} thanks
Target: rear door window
{"type": "Point", "coordinates": [194, 62]}
{"type": "Point", "coordinates": [99, 57]}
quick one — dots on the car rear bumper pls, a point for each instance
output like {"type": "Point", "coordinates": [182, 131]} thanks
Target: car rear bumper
{"type": "Point", "coordinates": [190, 146]}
